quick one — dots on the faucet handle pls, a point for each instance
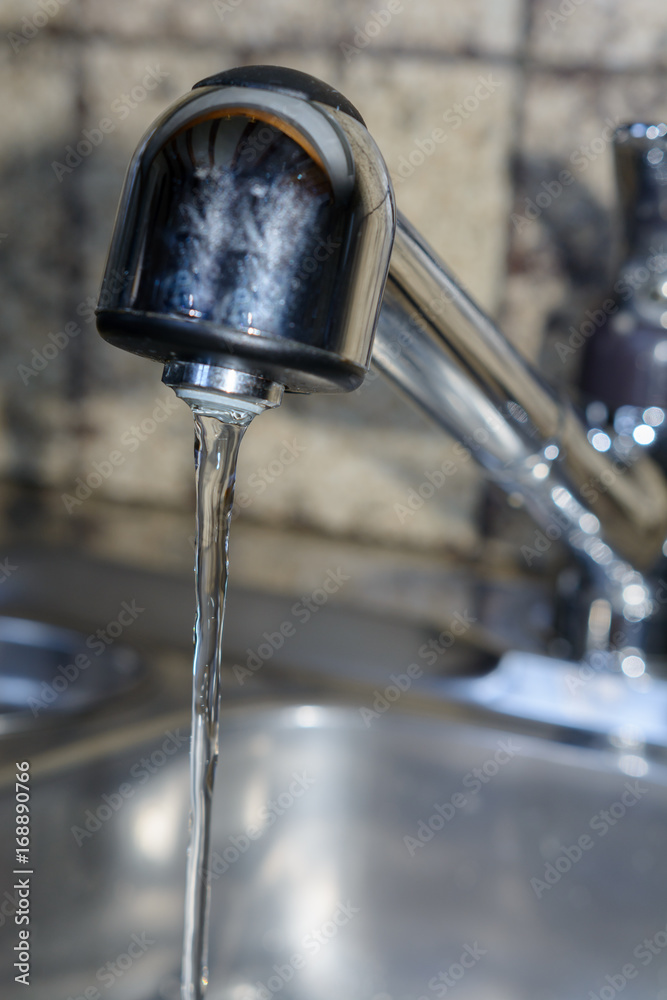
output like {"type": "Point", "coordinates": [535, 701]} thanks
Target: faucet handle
{"type": "Point", "coordinates": [641, 171]}
{"type": "Point", "coordinates": [625, 360]}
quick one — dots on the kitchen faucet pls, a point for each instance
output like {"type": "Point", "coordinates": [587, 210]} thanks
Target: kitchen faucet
{"type": "Point", "coordinates": [258, 250]}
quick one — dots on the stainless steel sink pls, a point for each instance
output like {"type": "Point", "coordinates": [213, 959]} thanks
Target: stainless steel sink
{"type": "Point", "coordinates": [317, 893]}
{"type": "Point", "coordinates": [455, 841]}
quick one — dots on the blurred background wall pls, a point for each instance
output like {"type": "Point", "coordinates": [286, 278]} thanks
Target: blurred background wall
{"type": "Point", "coordinates": [478, 107]}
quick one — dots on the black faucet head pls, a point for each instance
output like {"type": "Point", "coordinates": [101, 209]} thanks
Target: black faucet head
{"type": "Point", "coordinates": [254, 233]}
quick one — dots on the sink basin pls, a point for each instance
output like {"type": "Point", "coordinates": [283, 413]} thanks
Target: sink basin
{"type": "Point", "coordinates": [370, 861]}
{"type": "Point", "coordinates": [56, 673]}
{"type": "Point", "coordinates": [454, 840]}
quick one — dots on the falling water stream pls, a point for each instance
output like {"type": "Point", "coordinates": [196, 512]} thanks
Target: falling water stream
{"type": "Point", "coordinates": [218, 436]}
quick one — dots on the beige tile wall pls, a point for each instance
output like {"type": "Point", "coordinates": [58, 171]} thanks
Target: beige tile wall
{"type": "Point", "coordinates": [557, 71]}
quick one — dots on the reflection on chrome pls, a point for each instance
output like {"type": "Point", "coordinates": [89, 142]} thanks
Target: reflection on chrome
{"type": "Point", "coordinates": [308, 716]}
{"type": "Point", "coordinates": [633, 765]}
{"type": "Point", "coordinates": [156, 826]}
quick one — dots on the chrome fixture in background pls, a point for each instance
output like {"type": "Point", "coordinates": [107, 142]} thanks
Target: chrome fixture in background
{"type": "Point", "coordinates": [625, 363]}
{"type": "Point", "coordinates": [253, 239]}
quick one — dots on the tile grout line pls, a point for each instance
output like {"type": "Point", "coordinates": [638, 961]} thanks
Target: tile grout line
{"type": "Point", "coordinates": [76, 216]}
{"type": "Point", "coordinates": [523, 67]}
{"type": "Point", "coordinates": [328, 46]}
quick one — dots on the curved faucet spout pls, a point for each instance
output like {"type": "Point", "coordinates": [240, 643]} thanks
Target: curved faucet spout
{"type": "Point", "coordinates": [253, 242]}
{"type": "Point", "coordinates": [449, 359]}
{"type": "Point", "coordinates": [440, 349]}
